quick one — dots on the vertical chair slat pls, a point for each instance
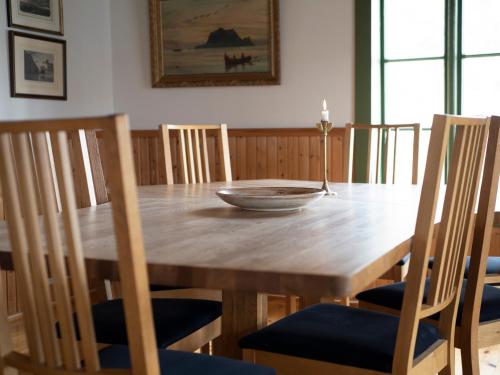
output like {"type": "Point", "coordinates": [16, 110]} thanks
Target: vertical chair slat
{"type": "Point", "coordinates": [76, 261]}
{"type": "Point", "coordinates": [82, 188]}
{"type": "Point", "coordinates": [19, 245]}
{"type": "Point", "coordinates": [224, 152]}
{"type": "Point", "coordinates": [184, 157]}
{"type": "Point", "coordinates": [198, 155]}
{"type": "Point", "coordinates": [369, 158]}
{"type": "Point", "coordinates": [416, 146]}
{"type": "Point", "coordinates": [394, 155]}
{"type": "Point", "coordinates": [96, 167]}
{"type": "Point", "coordinates": [205, 155]}
{"type": "Point", "coordinates": [377, 169]}
{"type": "Point", "coordinates": [37, 189]}
{"type": "Point", "coordinates": [69, 348]}
{"type": "Point", "coordinates": [385, 156]}
{"type": "Point", "coordinates": [130, 248]}
{"type": "Point", "coordinates": [52, 169]}
{"type": "Point", "coordinates": [192, 168]}
{"type": "Point", "coordinates": [348, 153]}
{"type": "Point", "coordinates": [167, 153]}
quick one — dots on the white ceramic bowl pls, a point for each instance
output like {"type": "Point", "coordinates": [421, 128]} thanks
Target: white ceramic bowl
{"type": "Point", "coordinates": [270, 198]}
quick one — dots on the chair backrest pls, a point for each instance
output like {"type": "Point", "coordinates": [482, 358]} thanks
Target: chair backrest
{"type": "Point", "coordinates": [454, 234]}
{"type": "Point", "coordinates": [23, 145]}
{"type": "Point", "coordinates": [483, 229]}
{"type": "Point", "coordinates": [194, 154]}
{"type": "Point", "coordinates": [378, 157]}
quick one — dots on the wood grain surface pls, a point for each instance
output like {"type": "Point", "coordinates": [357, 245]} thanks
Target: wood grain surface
{"type": "Point", "coordinates": [336, 247]}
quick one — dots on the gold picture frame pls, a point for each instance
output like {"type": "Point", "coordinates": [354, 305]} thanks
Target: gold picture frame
{"type": "Point", "coordinates": [214, 43]}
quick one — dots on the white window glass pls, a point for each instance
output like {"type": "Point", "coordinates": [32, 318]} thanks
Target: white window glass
{"type": "Point", "coordinates": [481, 86]}
{"type": "Point", "coordinates": [481, 26]}
{"type": "Point", "coordinates": [414, 91]}
{"type": "Point", "coordinates": [414, 28]}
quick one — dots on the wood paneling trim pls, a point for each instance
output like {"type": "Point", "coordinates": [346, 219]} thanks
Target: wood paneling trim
{"type": "Point", "coordinates": [276, 153]}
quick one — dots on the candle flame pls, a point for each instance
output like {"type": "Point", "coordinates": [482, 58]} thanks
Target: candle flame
{"type": "Point", "coordinates": [324, 104]}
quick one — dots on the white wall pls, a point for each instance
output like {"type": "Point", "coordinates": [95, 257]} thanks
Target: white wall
{"type": "Point", "coordinates": [317, 53]}
{"type": "Point", "coordinates": [90, 87]}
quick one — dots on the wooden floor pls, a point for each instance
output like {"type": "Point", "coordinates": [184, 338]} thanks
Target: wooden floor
{"type": "Point", "coordinates": [490, 357]}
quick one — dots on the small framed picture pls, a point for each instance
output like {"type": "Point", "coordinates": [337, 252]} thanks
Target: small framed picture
{"type": "Point", "coordinates": [37, 66]}
{"type": "Point", "coordinates": [37, 15]}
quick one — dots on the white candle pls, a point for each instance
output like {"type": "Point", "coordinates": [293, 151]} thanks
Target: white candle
{"type": "Point", "coordinates": [325, 113]}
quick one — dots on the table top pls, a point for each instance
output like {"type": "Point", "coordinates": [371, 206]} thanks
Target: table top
{"type": "Point", "coordinates": [337, 246]}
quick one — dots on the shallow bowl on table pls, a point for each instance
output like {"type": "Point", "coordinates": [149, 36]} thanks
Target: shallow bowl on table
{"type": "Point", "coordinates": [270, 198]}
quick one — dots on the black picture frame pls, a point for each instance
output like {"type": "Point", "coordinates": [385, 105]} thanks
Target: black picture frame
{"type": "Point", "coordinates": [12, 23]}
{"type": "Point", "coordinates": [13, 67]}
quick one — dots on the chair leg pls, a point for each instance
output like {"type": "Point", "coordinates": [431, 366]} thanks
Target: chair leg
{"type": "Point", "coordinates": [470, 356]}
{"type": "Point", "coordinates": [450, 367]}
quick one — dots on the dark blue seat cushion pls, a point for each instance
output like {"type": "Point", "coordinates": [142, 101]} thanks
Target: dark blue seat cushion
{"type": "Point", "coordinates": [338, 334]}
{"type": "Point", "coordinates": [181, 363]}
{"type": "Point", "coordinates": [174, 319]}
{"type": "Point", "coordinates": [492, 265]}
{"type": "Point", "coordinates": [391, 296]}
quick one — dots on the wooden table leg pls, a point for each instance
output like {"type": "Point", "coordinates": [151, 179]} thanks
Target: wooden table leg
{"type": "Point", "coordinates": [242, 313]}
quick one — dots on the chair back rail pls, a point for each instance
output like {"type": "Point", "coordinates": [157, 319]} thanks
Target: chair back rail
{"type": "Point", "coordinates": [483, 229]}
{"type": "Point", "coordinates": [378, 157]}
{"type": "Point", "coordinates": [27, 169]}
{"type": "Point", "coordinates": [454, 233]}
{"type": "Point", "coordinates": [194, 152]}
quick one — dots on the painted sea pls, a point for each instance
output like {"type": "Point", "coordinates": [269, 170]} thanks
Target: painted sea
{"type": "Point", "coordinates": [211, 60]}
{"type": "Point", "coordinates": [215, 36]}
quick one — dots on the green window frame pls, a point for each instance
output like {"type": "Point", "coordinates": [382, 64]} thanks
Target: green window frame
{"type": "Point", "coordinates": [453, 61]}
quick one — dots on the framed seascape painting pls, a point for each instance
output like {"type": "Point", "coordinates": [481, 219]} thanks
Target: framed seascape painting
{"type": "Point", "coordinates": [37, 66]}
{"type": "Point", "coordinates": [38, 15]}
{"type": "Point", "coordinates": [214, 42]}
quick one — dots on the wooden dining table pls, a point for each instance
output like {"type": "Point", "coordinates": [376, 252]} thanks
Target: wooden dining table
{"type": "Point", "coordinates": [335, 247]}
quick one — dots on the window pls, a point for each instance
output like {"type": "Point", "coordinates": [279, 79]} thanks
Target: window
{"type": "Point", "coordinates": [434, 56]}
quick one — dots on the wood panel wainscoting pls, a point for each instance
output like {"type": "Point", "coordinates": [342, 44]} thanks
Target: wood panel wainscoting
{"type": "Point", "coordinates": [284, 153]}
{"type": "Point", "coordinates": [295, 154]}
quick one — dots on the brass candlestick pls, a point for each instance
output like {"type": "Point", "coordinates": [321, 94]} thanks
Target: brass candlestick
{"type": "Point", "coordinates": [325, 127]}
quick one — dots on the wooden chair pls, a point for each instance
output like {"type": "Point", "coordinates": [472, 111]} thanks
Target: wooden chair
{"type": "Point", "coordinates": [194, 157]}
{"type": "Point", "coordinates": [329, 339]}
{"type": "Point", "coordinates": [21, 183]}
{"type": "Point", "coordinates": [186, 321]}
{"type": "Point", "coordinates": [195, 163]}
{"type": "Point", "coordinates": [378, 158]}
{"type": "Point", "coordinates": [478, 325]}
